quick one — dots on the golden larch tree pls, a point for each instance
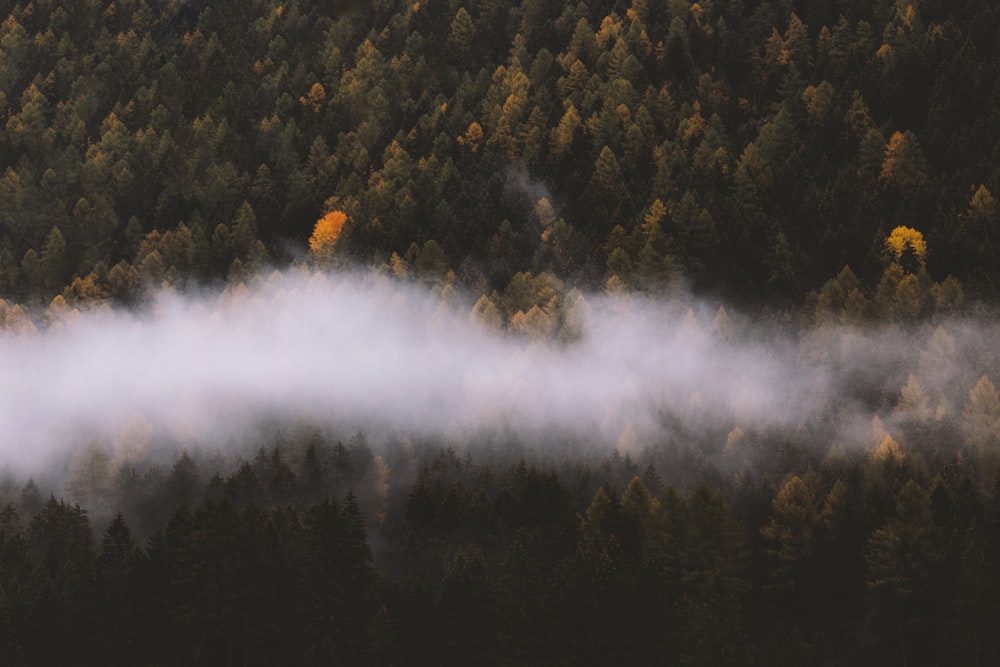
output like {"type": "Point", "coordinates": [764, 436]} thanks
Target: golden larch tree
{"type": "Point", "coordinates": [473, 137]}
{"type": "Point", "coordinates": [326, 234]}
{"type": "Point", "coordinates": [903, 241]}
{"type": "Point", "coordinates": [315, 99]}
{"type": "Point", "coordinates": [903, 162]}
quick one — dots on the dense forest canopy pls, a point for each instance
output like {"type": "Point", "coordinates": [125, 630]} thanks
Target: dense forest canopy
{"type": "Point", "coordinates": [488, 332]}
{"type": "Point", "coordinates": [753, 148]}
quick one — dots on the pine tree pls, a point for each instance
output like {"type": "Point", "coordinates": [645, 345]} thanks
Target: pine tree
{"type": "Point", "coordinates": [462, 36]}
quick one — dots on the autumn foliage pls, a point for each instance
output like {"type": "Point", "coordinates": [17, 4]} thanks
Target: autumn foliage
{"type": "Point", "coordinates": [326, 233]}
{"type": "Point", "coordinates": [902, 238]}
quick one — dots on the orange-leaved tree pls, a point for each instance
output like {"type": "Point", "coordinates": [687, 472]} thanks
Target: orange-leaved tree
{"type": "Point", "coordinates": [326, 233]}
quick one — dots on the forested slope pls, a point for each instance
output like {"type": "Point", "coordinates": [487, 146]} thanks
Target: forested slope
{"type": "Point", "coordinates": [824, 168]}
{"type": "Point", "coordinates": [870, 557]}
{"type": "Point", "coordinates": [750, 147]}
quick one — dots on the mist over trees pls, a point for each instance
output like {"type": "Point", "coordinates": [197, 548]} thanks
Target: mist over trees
{"type": "Point", "coordinates": [485, 332]}
{"type": "Point", "coordinates": [316, 549]}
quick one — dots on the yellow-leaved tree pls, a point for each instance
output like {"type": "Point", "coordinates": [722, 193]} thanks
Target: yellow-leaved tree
{"type": "Point", "coordinates": [326, 233]}
{"type": "Point", "coordinates": [906, 241]}
{"type": "Point", "coordinates": [903, 290]}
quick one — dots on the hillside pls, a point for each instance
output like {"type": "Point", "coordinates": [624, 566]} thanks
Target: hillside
{"type": "Point", "coordinates": [499, 332]}
{"type": "Point", "coordinates": [749, 149]}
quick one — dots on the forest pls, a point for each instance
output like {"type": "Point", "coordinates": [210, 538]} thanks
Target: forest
{"type": "Point", "coordinates": [499, 332]}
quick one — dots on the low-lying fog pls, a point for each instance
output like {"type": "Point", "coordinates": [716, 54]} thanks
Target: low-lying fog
{"type": "Point", "coordinates": [367, 353]}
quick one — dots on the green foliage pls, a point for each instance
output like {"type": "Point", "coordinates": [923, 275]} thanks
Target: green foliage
{"type": "Point", "coordinates": [612, 110]}
{"type": "Point", "coordinates": [759, 148]}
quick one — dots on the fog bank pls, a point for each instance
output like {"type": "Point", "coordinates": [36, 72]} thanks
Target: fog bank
{"type": "Point", "coordinates": [366, 353]}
